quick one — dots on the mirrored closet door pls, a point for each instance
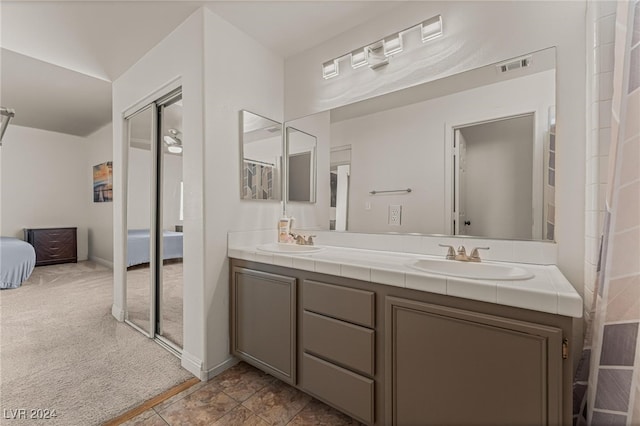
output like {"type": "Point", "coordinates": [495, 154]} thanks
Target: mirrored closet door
{"type": "Point", "coordinates": [154, 221]}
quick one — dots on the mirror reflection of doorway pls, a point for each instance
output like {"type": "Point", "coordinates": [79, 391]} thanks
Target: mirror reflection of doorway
{"type": "Point", "coordinates": [154, 222]}
{"type": "Point", "coordinates": [494, 179]}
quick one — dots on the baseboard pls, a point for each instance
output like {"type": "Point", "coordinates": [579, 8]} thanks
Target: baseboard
{"type": "Point", "coordinates": [101, 261]}
{"type": "Point", "coordinates": [223, 366]}
{"type": "Point", "coordinates": [117, 313]}
{"type": "Point", "coordinates": [193, 365]}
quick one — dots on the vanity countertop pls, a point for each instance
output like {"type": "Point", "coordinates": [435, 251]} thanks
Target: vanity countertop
{"type": "Point", "coordinates": [548, 291]}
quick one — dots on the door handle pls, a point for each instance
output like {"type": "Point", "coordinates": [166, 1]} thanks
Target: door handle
{"type": "Point", "coordinates": [467, 222]}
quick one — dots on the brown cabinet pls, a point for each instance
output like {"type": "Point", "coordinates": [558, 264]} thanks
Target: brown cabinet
{"type": "Point", "coordinates": [263, 321]}
{"type": "Point", "coordinates": [448, 366]}
{"type": "Point", "coordinates": [394, 356]}
{"type": "Point", "coordinates": [53, 245]}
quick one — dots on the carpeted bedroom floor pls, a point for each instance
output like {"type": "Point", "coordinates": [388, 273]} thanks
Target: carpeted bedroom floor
{"type": "Point", "coordinates": [61, 349]}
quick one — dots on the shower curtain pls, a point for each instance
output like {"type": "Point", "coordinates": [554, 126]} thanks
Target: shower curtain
{"type": "Point", "coordinates": [607, 386]}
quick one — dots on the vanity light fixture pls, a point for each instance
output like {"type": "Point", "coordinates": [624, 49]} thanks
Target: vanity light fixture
{"type": "Point", "coordinates": [392, 44]}
{"type": "Point", "coordinates": [431, 28]}
{"type": "Point", "coordinates": [330, 69]}
{"type": "Point", "coordinates": [377, 54]}
{"type": "Point", "coordinates": [360, 57]}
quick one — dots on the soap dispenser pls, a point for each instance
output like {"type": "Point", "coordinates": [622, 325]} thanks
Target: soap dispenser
{"type": "Point", "coordinates": [284, 227]}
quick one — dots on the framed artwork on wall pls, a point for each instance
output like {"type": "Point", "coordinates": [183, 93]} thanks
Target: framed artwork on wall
{"type": "Point", "coordinates": [103, 182]}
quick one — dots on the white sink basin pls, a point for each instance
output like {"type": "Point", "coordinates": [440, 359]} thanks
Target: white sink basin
{"type": "Point", "coordinates": [284, 248]}
{"type": "Point", "coordinates": [472, 270]}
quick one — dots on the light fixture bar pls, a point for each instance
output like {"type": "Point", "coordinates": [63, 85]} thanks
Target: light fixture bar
{"type": "Point", "coordinates": [376, 55]}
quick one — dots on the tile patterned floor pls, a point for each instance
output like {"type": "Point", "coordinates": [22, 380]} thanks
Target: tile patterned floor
{"type": "Point", "coordinates": [242, 395]}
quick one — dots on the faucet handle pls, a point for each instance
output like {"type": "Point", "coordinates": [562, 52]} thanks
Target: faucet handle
{"type": "Point", "coordinates": [451, 253]}
{"type": "Point", "coordinates": [475, 256]}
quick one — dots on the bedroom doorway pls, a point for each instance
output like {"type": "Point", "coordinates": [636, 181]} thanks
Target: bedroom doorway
{"type": "Point", "coordinates": [154, 281]}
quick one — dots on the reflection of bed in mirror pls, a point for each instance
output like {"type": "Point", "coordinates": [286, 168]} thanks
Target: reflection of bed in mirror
{"type": "Point", "coordinates": [138, 246]}
{"type": "Point", "coordinates": [17, 260]}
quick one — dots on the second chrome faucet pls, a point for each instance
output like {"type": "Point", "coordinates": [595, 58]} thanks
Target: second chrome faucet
{"type": "Point", "coordinates": [461, 254]}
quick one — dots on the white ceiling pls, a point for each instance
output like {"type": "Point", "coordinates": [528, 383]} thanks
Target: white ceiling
{"type": "Point", "coordinates": [103, 39]}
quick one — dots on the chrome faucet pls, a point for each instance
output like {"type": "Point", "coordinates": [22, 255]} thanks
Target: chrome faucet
{"type": "Point", "coordinates": [461, 253]}
{"type": "Point", "coordinates": [475, 256]}
{"type": "Point", "coordinates": [451, 253]}
{"type": "Point", "coordinates": [302, 240]}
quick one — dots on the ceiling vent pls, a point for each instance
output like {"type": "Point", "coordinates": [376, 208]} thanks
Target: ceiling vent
{"type": "Point", "coordinates": [514, 65]}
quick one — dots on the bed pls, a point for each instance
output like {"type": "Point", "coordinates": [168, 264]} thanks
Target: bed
{"type": "Point", "coordinates": [17, 260]}
{"type": "Point", "coordinates": [138, 249]}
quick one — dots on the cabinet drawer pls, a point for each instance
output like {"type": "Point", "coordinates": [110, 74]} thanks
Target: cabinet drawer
{"type": "Point", "coordinates": [349, 304]}
{"type": "Point", "coordinates": [347, 391]}
{"type": "Point", "coordinates": [349, 345]}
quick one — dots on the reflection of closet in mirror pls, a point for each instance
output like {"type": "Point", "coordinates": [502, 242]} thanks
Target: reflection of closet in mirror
{"type": "Point", "coordinates": [497, 155]}
{"type": "Point", "coordinates": [154, 281]}
{"type": "Point", "coordinates": [301, 166]}
{"type": "Point", "coordinates": [260, 157]}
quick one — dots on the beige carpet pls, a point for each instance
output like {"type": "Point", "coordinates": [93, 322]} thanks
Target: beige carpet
{"type": "Point", "coordinates": [61, 349]}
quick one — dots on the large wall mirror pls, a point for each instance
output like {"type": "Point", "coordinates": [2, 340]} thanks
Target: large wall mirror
{"type": "Point", "coordinates": [260, 157]}
{"type": "Point", "coordinates": [470, 154]}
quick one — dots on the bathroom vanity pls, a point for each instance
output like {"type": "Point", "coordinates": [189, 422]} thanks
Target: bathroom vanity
{"type": "Point", "coordinates": [385, 343]}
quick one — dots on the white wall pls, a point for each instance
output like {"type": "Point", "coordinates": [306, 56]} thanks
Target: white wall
{"type": "Point", "coordinates": [475, 34]}
{"type": "Point", "coordinates": [46, 183]}
{"type": "Point", "coordinates": [405, 148]}
{"type": "Point", "coordinates": [218, 79]}
{"type": "Point", "coordinates": [241, 74]}
{"type": "Point", "coordinates": [99, 149]}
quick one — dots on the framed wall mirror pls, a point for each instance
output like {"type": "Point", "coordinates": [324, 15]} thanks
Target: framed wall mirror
{"type": "Point", "coordinates": [470, 154]}
{"type": "Point", "coordinates": [301, 165]}
{"type": "Point", "coordinates": [260, 157]}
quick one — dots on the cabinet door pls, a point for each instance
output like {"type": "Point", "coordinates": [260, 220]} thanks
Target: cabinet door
{"type": "Point", "coordinates": [263, 321]}
{"type": "Point", "coordinates": [447, 366]}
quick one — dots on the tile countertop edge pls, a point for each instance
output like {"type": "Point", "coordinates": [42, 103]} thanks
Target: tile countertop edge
{"type": "Point", "coordinates": [569, 302]}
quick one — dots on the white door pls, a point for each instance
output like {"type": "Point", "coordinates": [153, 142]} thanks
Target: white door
{"type": "Point", "coordinates": [460, 222]}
